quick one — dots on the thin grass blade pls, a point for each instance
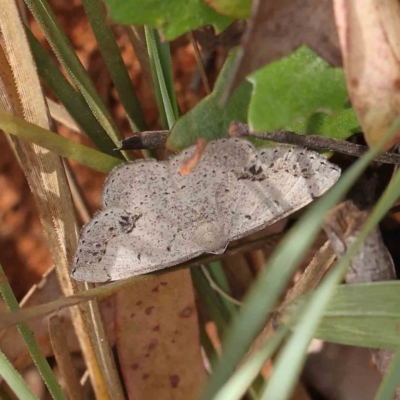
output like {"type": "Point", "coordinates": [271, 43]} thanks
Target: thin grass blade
{"type": "Point", "coordinates": [58, 144]}
{"type": "Point", "coordinates": [391, 381]}
{"type": "Point", "coordinates": [37, 356]}
{"type": "Point", "coordinates": [218, 275]}
{"type": "Point", "coordinates": [164, 54]}
{"type": "Point", "coordinates": [14, 379]}
{"type": "Point", "coordinates": [114, 62]}
{"type": "Point", "coordinates": [72, 65]}
{"type": "Point", "coordinates": [237, 385]}
{"type": "Point", "coordinates": [289, 363]}
{"type": "Point", "coordinates": [270, 283]}
{"type": "Point", "coordinates": [72, 100]}
{"type": "Point", "coordinates": [164, 100]}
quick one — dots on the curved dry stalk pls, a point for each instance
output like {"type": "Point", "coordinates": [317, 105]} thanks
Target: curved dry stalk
{"type": "Point", "coordinates": [8, 319]}
{"type": "Point", "coordinates": [58, 340]}
{"type": "Point", "coordinates": [46, 177]}
{"type": "Point", "coordinates": [308, 281]}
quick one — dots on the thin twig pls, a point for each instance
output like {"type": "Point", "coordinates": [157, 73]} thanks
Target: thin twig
{"type": "Point", "coordinates": [314, 142]}
{"type": "Point", "coordinates": [199, 61]}
{"type": "Point", "coordinates": [149, 140]}
{"type": "Point", "coordinates": [77, 195]}
{"type": "Point", "coordinates": [158, 139]}
{"type": "Point", "coordinates": [309, 280]}
{"type": "Point", "coordinates": [9, 319]}
{"type": "Point", "coordinates": [215, 287]}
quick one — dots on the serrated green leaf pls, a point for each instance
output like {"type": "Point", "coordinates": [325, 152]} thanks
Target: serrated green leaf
{"type": "Point", "coordinates": [174, 17]}
{"type": "Point", "coordinates": [208, 119]}
{"type": "Point", "coordinates": [292, 89]}
{"type": "Point", "coordinates": [237, 9]}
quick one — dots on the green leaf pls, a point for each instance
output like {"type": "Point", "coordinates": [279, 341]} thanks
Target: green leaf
{"type": "Point", "coordinates": [340, 126]}
{"type": "Point", "coordinates": [174, 17]}
{"type": "Point", "coordinates": [207, 119]}
{"type": "Point", "coordinates": [362, 315]}
{"type": "Point", "coordinates": [60, 145]}
{"type": "Point", "coordinates": [292, 89]}
{"type": "Point", "coordinates": [237, 9]}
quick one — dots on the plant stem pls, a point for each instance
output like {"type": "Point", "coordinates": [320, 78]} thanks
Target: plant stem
{"type": "Point", "coordinates": [37, 356]}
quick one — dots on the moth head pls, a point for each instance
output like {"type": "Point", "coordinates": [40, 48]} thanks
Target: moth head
{"type": "Point", "coordinates": [211, 237]}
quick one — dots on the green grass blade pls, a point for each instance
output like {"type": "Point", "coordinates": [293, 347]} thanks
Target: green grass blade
{"type": "Point", "coordinates": [218, 308]}
{"type": "Point", "coordinates": [164, 54]}
{"type": "Point", "coordinates": [72, 65]}
{"type": "Point", "coordinates": [64, 147]}
{"type": "Point", "coordinates": [72, 100]}
{"type": "Point", "coordinates": [266, 290]}
{"type": "Point", "coordinates": [210, 300]}
{"type": "Point", "coordinates": [37, 356]}
{"type": "Point", "coordinates": [157, 90]}
{"type": "Point", "coordinates": [114, 62]}
{"type": "Point", "coordinates": [237, 385]}
{"type": "Point", "coordinates": [218, 275]}
{"type": "Point", "coordinates": [14, 379]}
{"type": "Point", "coordinates": [391, 381]}
{"type": "Point", "coordinates": [163, 98]}
{"type": "Point", "coordinates": [289, 363]}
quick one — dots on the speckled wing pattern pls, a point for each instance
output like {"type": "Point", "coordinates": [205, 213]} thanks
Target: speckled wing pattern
{"type": "Point", "coordinates": [154, 217]}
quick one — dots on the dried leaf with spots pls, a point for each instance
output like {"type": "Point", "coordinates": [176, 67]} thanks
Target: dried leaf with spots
{"type": "Point", "coordinates": [157, 339]}
{"type": "Point", "coordinates": [369, 38]}
{"type": "Point", "coordinates": [277, 28]}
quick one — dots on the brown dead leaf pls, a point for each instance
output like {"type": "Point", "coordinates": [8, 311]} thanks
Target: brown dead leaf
{"type": "Point", "coordinates": [369, 38]}
{"type": "Point", "coordinates": [157, 338]}
{"type": "Point", "coordinates": [277, 28]}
